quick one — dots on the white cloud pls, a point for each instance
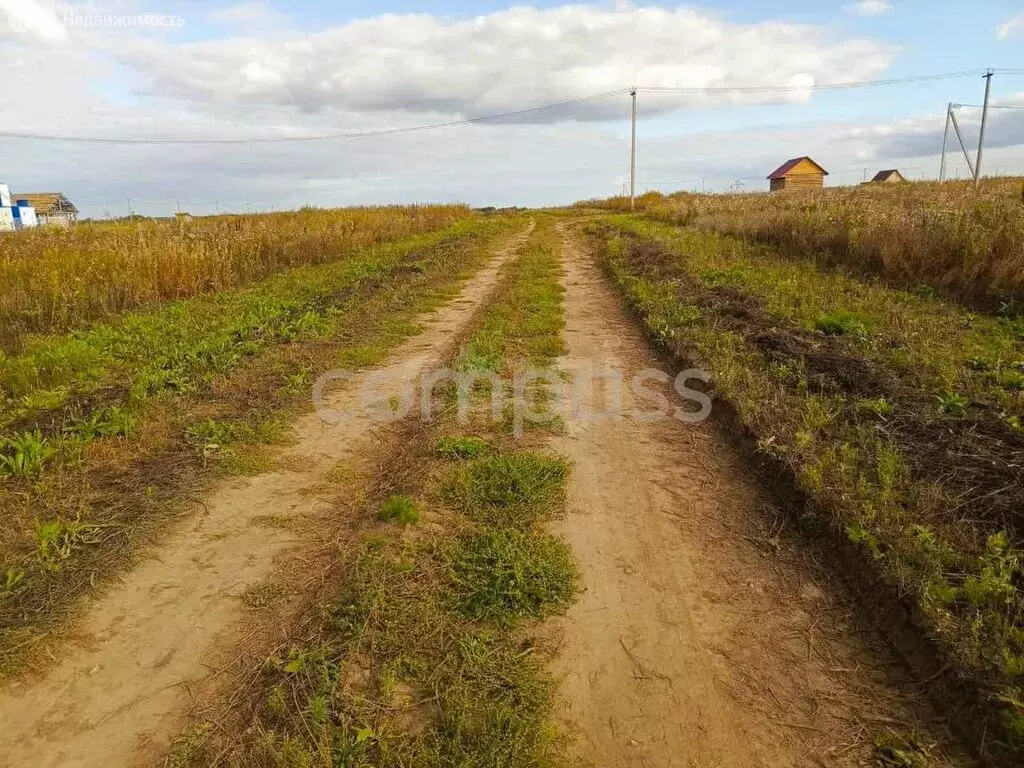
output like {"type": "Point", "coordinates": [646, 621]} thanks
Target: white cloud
{"type": "Point", "coordinates": [870, 7]}
{"type": "Point", "coordinates": [247, 14]}
{"type": "Point", "coordinates": [501, 61]}
{"type": "Point", "coordinates": [1010, 26]}
{"type": "Point", "coordinates": [30, 18]}
{"type": "Point", "coordinates": [922, 135]}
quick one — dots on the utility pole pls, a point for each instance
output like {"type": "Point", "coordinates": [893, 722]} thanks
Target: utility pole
{"type": "Point", "coordinates": [981, 134]}
{"type": "Point", "coordinates": [632, 156]}
{"type": "Point", "coordinates": [945, 138]}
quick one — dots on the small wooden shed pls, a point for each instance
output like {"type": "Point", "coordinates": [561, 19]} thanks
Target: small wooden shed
{"type": "Point", "coordinates": [798, 173]}
{"type": "Point", "coordinates": [891, 176]}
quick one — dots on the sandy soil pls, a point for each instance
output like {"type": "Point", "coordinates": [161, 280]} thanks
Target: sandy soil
{"type": "Point", "coordinates": [704, 636]}
{"type": "Point", "coordinates": [152, 637]}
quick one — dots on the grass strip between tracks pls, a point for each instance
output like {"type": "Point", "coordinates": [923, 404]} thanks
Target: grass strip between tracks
{"type": "Point", "coordinates": [424, 652]}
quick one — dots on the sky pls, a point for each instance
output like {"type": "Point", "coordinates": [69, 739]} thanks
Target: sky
{"type": "Point", "coordinates": [226, 73]}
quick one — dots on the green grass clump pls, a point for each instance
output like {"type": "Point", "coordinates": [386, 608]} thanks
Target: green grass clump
{"type": "Point", "coordinates": [877, 406]}
{"type": "Point", "coordinates": [399, 509]}
{"type": "Point", "coordinates": [505, 574]}
{"type": "Point", "coordinates": [461, 447]}
{"type": "Point", "coordinates": [840, 323]}
{"type": "Point", "coordinates": [507, 489]}
{"type": "Point", "coordinates": [494, 704]}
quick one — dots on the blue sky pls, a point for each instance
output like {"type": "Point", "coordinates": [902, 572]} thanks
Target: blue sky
{"type": "Point", "coordinates": [258, 68]}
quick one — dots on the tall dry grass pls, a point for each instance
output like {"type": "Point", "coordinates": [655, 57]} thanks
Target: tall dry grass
{"type": "Point", "coordinates": [54, 280]}
{"type": "Point", "coordinates": [964, 244]}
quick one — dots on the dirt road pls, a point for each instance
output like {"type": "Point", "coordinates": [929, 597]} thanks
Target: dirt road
{"type": "Point", "coordinates": [151, 637]}
{"type": "Point", "coordinates": [702, 636]}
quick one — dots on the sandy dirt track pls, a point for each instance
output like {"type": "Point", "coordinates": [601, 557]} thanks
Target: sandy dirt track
{"type": "Point", "coordinates": [153, 635]}
{"type": "Point", "coordinates": [702, 636]}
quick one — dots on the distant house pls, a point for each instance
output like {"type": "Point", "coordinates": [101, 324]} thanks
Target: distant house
{"type": "Point", "coordinates": [798, 173]}
{"type": "Point", "coordinates": [51, 208]}
{"type": "Point", "coordinates": [892, 176]}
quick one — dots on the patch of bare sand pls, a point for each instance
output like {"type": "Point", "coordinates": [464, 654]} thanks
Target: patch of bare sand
{"type": "Point", "coordinates": [702, 636]}
{"type": "Point", "coordinates": [158, 632]}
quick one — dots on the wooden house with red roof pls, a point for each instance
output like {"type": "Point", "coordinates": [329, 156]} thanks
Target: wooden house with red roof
{"type": "Point", "coordinates": [798, 173]}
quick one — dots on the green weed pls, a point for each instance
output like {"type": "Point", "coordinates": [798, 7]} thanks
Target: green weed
{"type": "Point", "coordinates": [1012, 380]}
{"type": "Point", "coordinates": [952, 403]}
{"type": "Point", "coordinates": [12, 578]}
{"type": "Point", "coordinates": [507, 489]}
{"type": "Point", "coordinates": [878, 406]}
{"type": "Point", "coordinates": [24, 456]}
{"type": "Point", "coordinates": [57, 540]}
{"type": "Point", "coordinates": [114, 421]}
{"type": "Point", "coordinates": [399, 509]}
{"type": "Point", "coordinates": [839, 323]}
{"type": "Point", "coordinates": [461, 447]}
{"type": "Point", "coordinates": [505, 574]}
{"type": "Point", "coordinates": [494, 704]}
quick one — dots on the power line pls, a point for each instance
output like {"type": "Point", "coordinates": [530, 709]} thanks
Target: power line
{"type": "Point", "coordinates": [325, 137]}
{"type": "Point", "coordinates": [820, 86]}
{"type": "Point", "coordinates": [502, 115]}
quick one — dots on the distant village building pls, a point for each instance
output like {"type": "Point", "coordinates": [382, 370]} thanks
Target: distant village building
{"type": "Point", "coordinates": [891, 176]}
{"type": "Point", "coordinates": [798, 173]}
{"type": "Point", "coordinates": [51, 208]}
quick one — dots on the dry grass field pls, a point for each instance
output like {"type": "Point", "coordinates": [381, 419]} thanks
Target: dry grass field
{"type": "Point", "coordinates": [54, 280]}
{"type": "Point", "coordinates": [943, 238]}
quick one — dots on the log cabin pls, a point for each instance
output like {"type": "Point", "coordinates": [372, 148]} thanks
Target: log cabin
{"type": "Point", "coordinates": [796, 174]}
